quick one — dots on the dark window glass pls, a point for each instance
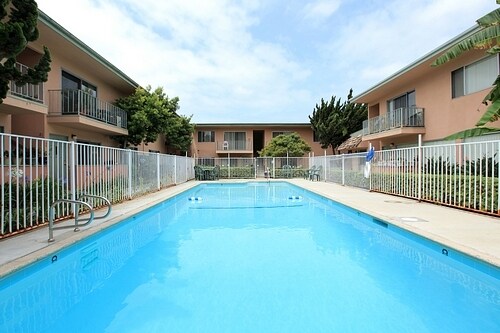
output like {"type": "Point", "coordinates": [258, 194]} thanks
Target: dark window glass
{"type": "Point", "coordinates": [457, 83]}
{"type": "Point", "coordinates": [206, 136]}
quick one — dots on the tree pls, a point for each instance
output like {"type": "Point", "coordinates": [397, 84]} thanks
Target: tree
{"type": "Point", "coordinates": [486, 38]}
{"type": "Point", "coordinates": [334, 121]}
{"type": "Point", "coordinates": [15, 32]}
{"type": "Point", "coordinates": [179, 134]}
{"type": "Point", "coordinates": [286, 145]}
{"type": "Point", "coordinates": [151, 113]}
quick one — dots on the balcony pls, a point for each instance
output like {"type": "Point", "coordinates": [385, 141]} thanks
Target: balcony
{"type": "Point", "coordinates": [79, 109]}
{"type": "Point", "coordinates": [30, 91]}
{"type": "Point", "coordinates": [401, 121]}
{"type": "Point", "coordinates": [26, 98]}
{"type": "Point", "coordinates": [234, 147]}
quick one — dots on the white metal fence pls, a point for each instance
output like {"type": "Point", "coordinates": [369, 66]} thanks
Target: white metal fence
{"type": "Point", "coordinates": [260, 167]}
{"type": "Point", "coordinates": [36, 172]}
{"type": "Point", "coordinates": [464, 175]}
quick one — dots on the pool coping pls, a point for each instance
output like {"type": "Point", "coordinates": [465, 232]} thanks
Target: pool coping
{"type": "Point", "coordinates": [473, 234]}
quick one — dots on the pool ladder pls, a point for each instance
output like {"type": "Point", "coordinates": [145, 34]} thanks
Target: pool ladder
{"type": "Point", "coordinates": [79, 202]}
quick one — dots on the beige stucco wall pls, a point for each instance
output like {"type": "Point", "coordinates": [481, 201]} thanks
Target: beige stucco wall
{"type": "Point", "coordinates": [208, 149]}
{"type": "Point", "coordinates": [444, 115]}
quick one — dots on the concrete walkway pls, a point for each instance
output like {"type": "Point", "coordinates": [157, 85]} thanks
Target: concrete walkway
{"type": "Point", "coordinates": [475, 234]}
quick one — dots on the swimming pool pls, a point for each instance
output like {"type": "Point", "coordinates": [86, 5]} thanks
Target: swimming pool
{"type": "Point", "coordinates": [253, 257]}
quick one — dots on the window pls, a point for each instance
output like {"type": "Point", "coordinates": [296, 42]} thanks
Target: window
{"type": "Point", "coordinates": [474, 77]}
{"type": "Point", "coordinates": [403, 101]}
{"type": "Point", "coordinates": [73, 99]}
{"type": "Point", "coordinates": [235, 140]}
{"type": "Point", "coordinates": [275, 134]}
{"type": "Point", "coordinates": [74, 83]}
{"type": "Point", "coordinates": [206, 136]}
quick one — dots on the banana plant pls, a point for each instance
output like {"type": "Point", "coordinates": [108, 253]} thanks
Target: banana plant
{"type": "Point", "coordinates": [487, 38]}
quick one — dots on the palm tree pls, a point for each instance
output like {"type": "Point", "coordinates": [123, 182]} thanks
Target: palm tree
{"type": "Point", "coordinates": [487, 38]}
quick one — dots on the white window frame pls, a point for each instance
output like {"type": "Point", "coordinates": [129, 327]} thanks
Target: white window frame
{"type": "Point", "coordinates": [465, 73]}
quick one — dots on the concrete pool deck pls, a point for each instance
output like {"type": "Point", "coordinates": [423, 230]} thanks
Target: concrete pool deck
{"type": "Point", "coordinates": [471, 233]}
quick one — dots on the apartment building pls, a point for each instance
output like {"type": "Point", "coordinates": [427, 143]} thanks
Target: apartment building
{"type": "Point", "coordinates": [246, 140]}
{"type": "Point", "coordinates": [430, 101]}
{"type": "Point", "coordinates": [76, 102]}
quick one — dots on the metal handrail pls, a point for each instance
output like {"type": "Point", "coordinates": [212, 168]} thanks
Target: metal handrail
{"type": "Point", "coordinates": [51, 217]}
{"type": "Point", "coordinates": [107, 202]}
{"type": "Point", "coordinates": [77, 225]}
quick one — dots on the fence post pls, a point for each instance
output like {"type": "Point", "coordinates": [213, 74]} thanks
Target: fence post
{"type": "Point", "coordinates": [255, 167]}
{"type": "Point", "coordinates": [158, 183]}
{"type": "Point", "coordinates": [419, 195]}
{"type": "Point", "coordinates": [370, 175]}
{"type": "Point", "coordinates": [175, 169]}
{"type": "Point", "coordinates": [72, 174]}
{"type": "Point", "coordinates": [274, 167]}
{"type": "Point", "coordinates": [130, 174]}
{"type": "Point", "coordinates": [498, 175]}
{"type": "Point", "coordinates": [324, 167]}
{"type": "Point", "coordinates": [343, 169]}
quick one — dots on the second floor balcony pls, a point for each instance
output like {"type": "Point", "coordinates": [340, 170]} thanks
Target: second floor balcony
{"type": "Point", "coordinates": [29, 91]}
{"type": "Point", "coordinates": [408, 117]}
{"type": "Point", "coordinates": [79, 109]}
{"type": "Point", "coordinates": [236, 146]}
{"type": "Point", "coordinates": [26, 98]}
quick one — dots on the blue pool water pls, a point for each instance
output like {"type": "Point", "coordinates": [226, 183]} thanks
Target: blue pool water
{"type": "Point", "coordinates": [253, 257]}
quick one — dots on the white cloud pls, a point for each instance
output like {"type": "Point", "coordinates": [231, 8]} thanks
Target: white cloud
{"type": "Point", "coordinates": [320, 9]}
{"type": "Point", "coordinates": [207, 52]}
{"type": "Point", "coordinates": [201, 51]}
{"type": "Point", "coordinates": [376, 43]}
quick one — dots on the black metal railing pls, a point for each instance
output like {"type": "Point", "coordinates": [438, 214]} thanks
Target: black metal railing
{"type": "Point", "coordinates": [78, 102]}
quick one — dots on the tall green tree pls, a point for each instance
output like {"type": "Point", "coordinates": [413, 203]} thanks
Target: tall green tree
{"type": "Point", "coordinates": [18, 26]}
{"type": "Point", "coordinates": [486, 38]}
{"type": "Point", "coordinates": [179, 133]}
{"type": "Point", "coordinates": [290, 144]}
{"type": "Point", "coordinates": [334, 121]}
{"type": "Point", "coordinates": [151, 113]}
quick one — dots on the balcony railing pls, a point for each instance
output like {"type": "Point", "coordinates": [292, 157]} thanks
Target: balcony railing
{"type": "Point", "coordinates": [239, 145]}
{"type": "Point", "coordinates": [77, 102]}
{"type": "Point", "coordinates": [402, 117]}
{"type": "Point", "coordinates": [29, 91]}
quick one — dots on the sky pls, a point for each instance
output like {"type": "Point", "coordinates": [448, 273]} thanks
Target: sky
{"type": "Point", "coordinates": [262, 61]}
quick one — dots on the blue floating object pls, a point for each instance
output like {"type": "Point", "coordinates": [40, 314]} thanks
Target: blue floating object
{"type": "Point", "coordinates": [195, 199]}
{"type": "Point", "coordinates": [295, 197]}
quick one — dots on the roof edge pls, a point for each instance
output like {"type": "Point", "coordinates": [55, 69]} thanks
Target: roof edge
{"type": "Point", "coordinates": [434, 53]}
{"type": "Point", "coordinates": [51, 23]}
{"type": "Point", "coordinates": [252, 124]}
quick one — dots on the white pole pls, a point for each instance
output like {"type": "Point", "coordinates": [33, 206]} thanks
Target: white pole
{"type": "Point", "coordinates": [343, 169]}
{"type": "Point", "coordinates": [419, 196]}
{"type": "Point", "coordinates": [130, 174]}
{"type": "Point", "coordinates": [370, 176]}
{"type": "Point", "coordinates": [158, 170]}
{"type": "Point", "coordinates": [324, 167]}
{"type": "Point", "coordinates": [175, 169]}
{"type": "Point", "coordinates": [72, 174]}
